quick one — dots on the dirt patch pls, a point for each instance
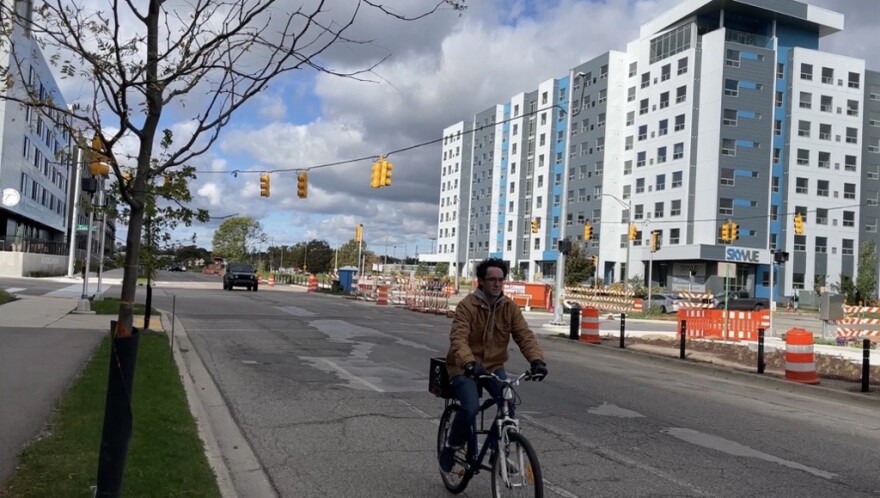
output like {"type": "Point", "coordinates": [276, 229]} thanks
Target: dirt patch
{"type": "Point", "coordinates": [827, 367]}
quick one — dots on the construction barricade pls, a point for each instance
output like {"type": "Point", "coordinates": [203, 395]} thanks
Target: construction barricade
{"type": "Point", "coordinates": [590, 326]}
{"type": "Point", "coordinates": [312, 284]}
{"type": "Point", "coordinates": [382, 297]}
{"type": "Point", "coordinates": [710, 324]}
{"type": "Point", "coordinates": [800, 360]}
{"type": "Point", "coordinates": [603, 299]}
{"type": "Point", "coordinates": [271, 280]}
{"type": "Point", "coordinates": [855, 325]}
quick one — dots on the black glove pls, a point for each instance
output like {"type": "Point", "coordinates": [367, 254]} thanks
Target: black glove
{"type": "Point", "coordinates": [475, 370]}
{"type": "Point", "coordinates": [539, 370]}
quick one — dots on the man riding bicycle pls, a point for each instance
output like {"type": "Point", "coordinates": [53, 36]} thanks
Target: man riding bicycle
{"type": "Point", "coordinates": [483, 324]}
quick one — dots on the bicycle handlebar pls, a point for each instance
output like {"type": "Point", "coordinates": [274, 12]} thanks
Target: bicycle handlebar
{"type": "Point", "coordinates": [527, 375]}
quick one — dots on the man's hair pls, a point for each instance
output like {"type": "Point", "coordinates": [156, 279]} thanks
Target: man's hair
{"type": "Point", "coordinates": [484, 266]}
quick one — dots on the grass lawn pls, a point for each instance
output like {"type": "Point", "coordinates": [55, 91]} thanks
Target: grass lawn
{"type": "Point", "coordinates": [110, 306]}
{"type": "Point", "coordinates": [6, 297]}
{"type": "Point", "coordinates": [165, 455]}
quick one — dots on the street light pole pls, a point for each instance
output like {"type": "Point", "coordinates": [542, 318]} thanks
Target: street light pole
{"type": "Point", "coordinates": [628, 208]}
{"type": "Point", "coordinates": [563, 212]}
{"type": "Point", "coordinates": [74, 220]}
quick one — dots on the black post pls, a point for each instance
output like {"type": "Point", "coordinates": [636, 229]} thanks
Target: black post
{"type": "Point", "coordinates": [148, 305]}
{"type": "Point", "coordinates": [574, 332]}
{"type": "Point", "coordinates": [622, 329]}
{"type": "Point", "coordinates": [116, 432]}
{"type": "Point", "coordinates": [866, 365]}
{"type": "Point", "coordinates": [683, 335]}
{"type": "Point", "coordinates": [760, 351]}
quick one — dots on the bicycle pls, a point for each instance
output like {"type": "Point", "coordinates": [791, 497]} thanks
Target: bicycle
{"type": "Point", "coordinates": [521, 476]}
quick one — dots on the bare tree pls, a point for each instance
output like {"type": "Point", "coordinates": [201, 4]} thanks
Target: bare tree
{"type": "Point", "coordinates": [204, 58]}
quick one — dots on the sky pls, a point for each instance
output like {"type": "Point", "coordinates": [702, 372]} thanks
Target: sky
{"type": "Point", "coordinates": [438, 71]}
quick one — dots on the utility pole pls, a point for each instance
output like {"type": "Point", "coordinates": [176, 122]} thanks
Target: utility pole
{"type": "Point", "coordinates": [84, 306]}
{"type": "Point", "coordinates": [77, 195]}
{"type": "Point", "coordinates": [103, 205]}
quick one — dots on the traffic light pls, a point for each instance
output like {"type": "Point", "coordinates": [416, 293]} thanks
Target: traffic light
{"type": "Point", "coordinates": [734, 231]}
{"type": "Point", "coordinates": [534, 225]}
{"type": "Point", "coordinates": [633, 232]}
{"type": "Point", "coordinates": [385, 172]}
{"type": "Point", "coordinates": [359, 233]}
{"type": "Point", "coordinates": [798, 224]}
{"type": "Point", "coordinates": [302, 185]}
{"type": "Point", "coordinates": [725, 232]}
{"type": "Point", "coordinates": [588, 231]}
{"type": "Point", "coordinates": [264, 185]}
{"type": "Point", "coordinates": [376, 177]}
{"type": "Point", "coordinates": [98, 166]}
{"type": "Point", "coordinates": [595, 259]}
{"type": "Point", "coordinates": [655, 240]}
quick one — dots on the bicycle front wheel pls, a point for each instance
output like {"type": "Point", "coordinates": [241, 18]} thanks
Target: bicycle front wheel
{"type": "Point", "coordinates": [457, 479]}
{"type": "Point", "coordinates": [515, 469]}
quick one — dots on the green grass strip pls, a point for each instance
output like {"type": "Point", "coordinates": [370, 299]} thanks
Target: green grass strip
{"type": "Point", "coordinates": [165, 455]}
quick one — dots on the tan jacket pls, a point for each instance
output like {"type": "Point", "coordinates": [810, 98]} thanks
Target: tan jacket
{"type": "Point", "coordinates": [482, 333]}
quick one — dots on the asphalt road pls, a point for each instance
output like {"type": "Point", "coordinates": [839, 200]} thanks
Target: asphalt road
{"type": "Point", "coordinates": [332, 395]}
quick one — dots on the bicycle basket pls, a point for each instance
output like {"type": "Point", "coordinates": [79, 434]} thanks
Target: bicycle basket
{"type": "Point", "coordinates": [438, 379]}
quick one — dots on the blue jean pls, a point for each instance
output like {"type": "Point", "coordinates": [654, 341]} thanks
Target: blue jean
{"type": "Point", "coordinates": [469, 398]}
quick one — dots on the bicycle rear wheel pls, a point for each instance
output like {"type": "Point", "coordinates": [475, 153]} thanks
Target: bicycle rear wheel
{"type": "Point", "coordinates": [457, 479]}
{"type": "Point", "coordinates": [523, 470]}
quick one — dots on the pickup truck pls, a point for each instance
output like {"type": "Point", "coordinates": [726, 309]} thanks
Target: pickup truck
{"type": "Point", "coordinates": [740, 301]}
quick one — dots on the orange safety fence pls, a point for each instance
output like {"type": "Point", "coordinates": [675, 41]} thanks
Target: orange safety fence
{"type": "Point", "coordinates": [709, 324]}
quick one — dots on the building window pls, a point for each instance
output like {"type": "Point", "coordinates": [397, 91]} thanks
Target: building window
{"type": "Point", "coordinates": [824, 160]}
{"type": "Point", "coordinates": [630, 118]}
{"type": "Point", "coordinates": [803, 157]}
{"type": "Point", "coordinates": [802, 186]}
{"type": "Point", "coordinates": [628, 143]}
{"type": "Point", "coordinates": [821, 245]}
{"type": "Point", "coordinates": [639, 212]}
{"type": "Point", "coordinates": [804, 129]}
{"type": "Point", "coordinates": [675, 208]}
{"type": "Point", "coordinates": [679, 122]}
{"type": "Point", "coordinates": [780, 70]}
{"type": "Point", "coordinates": [631, 94]}
{"type": "Point", "coordinates": [674, 236]}
{"type": "Point", "coordinates": [846, 247]}
{"type": "Point", "coordinates": [731, 88]}
{"type": "Point", "coordinates": [800, 243]}
{"type": "Point", "coordinates": [732, 59]}
{"type": "Point", "coordinates": [729, 118]}
{"type": "Point", "coordinates": [728, 147]}
{"type": "Point", "coordinates": [826, 103]}
{"type": "Point", "coordinates": [727, 177]}
{"type": "Point", "coordinates": [806, 72]}
{"type": "Point", "coordinates": [805, 100]}
{"type": "Point", "coordinates": [852, 135]}
{"type": "Point", "coordinates": [660, 183]}
{"type": "Point", "coordinates": [852, 107]}
{"type": "Point", "coordinates": [664, 100]}
{"type": "Point", "coordinates": [627, 167]}
{"type": "Point", "coordinates": [849, 218]}
{"type": "Point", "coordinates": [646, 80]}
{"type": "Point", "coordinates": [777, 127]}
{"type": "Point", "coordinates": [661, 155]}
{"type": "Point", "coordinates": [640, 185]}
{"type": "Point", "coordinates": [821, 216]}
{"type": "Point", "coordinates": [665, 72]}
{"type": "Point", "coordinates": [643, 132]}
{"type": "Point", "coordinates": [658, 210]}
{"type": "Point", "coordinates": [779, 99]}
{"type": "Point", "coordinates": [680, 94]}
{"type": "Point", "coordinates": [633, 69]}
{"type": "Point", "coordinates": [682, 65]}
{"type": "Point", "coordinates": [663, 128]}
{"type": "Point", "coordinates": [643, 107]}
{"type": "Point", "coordinates": [854, 79]}
{"type": "Point", "coordinates": [640, 159]}
{"type": "Point", "coordinates": [676, 179]}
{"type": "Point", "coordinates": [824, 131]}
{"type": "Point", "coordinates": [849, 190]}
{"type": "Point", "coordinates": [725, 207]}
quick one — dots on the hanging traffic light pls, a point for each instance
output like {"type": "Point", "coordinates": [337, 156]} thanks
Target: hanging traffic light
{"type": "Point", "coordinates": [798, 224]}
{"type": "Point", "coordinates": [734, 231]}
{"type": "Point", "coordinates": [385, 176]}
{"type": "Point", "coordinates": [359, 233]}
{"type": "Point", "coordinates": [99, 165]}
{"type": "Point", "coordinates": [302, 185]}
{"type": "Point", "coordinates": [633, 232]}
{"type": "Point", "coordinates": [725, 232]}
{"type": "Point", "coordinates": [534, 225]}
{"type": "Point", "coordinates": [655, 240]}
{"type": "Point", "coordinates": [376, 177]}
{"type": "Point", "coordinates": [264, 185]}
{"type": "Point", "coordinates": [588, 231]}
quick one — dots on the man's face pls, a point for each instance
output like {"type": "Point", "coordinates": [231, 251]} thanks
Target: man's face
{"type": "Point", "coordinates": [493, 283]}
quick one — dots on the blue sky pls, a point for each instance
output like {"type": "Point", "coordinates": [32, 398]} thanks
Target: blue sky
{"type": "Point", "coordinates": [439, 70]}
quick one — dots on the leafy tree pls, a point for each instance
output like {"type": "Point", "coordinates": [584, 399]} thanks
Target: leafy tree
{"type": "Point", "coordinates": [578, 265]}
{"type": "Point", "coordinates": [819, 282]}
{"type": "Point", "coordinates": [422, 270]}
{"type": "Point", "coordinates": [847, 287]}
{"type": "Point", "coordinates": [237, 238]}
{"type": "Point", "coordinates": [348, 254]}
{"type": "Point", "coordinates": [441, 269]}
{"type": "Point", "coordinates": [866, 280]}
{"type": "Point", "coordinates": [191, 253]}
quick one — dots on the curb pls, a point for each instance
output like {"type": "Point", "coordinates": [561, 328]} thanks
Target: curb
{"type": "Point", "coordinates": [770, 379]}
{"type": "Point", "coordinates": [228, 452]}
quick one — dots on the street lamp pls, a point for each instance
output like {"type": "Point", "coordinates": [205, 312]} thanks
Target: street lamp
{"type": "Point", "coordinates": [628, 208]}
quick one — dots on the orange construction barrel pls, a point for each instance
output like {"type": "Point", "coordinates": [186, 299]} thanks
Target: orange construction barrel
{"type": "Point", "coordinates": [590, 326]}
{"type": "Point", "coordinates": [383, 295]}
{"type": "Point", "coordinates": [800, 360]}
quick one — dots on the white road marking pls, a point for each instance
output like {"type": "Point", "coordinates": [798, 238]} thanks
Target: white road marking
{"type": "Point", "coordinates": [13, 290]}
{"type": "Point", "coordinates": [349, 376]}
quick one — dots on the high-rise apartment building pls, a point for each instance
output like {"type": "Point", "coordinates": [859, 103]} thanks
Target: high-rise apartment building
{"type": "Point", "coordinates": [722, 111]}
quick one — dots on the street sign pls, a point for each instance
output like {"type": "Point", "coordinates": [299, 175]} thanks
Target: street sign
{"type": "Point", "coordinates": [85, 228]}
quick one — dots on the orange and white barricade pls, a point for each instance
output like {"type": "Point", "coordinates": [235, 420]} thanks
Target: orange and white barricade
{"type": "Point", "coordinates": [271, 280]}
{"type": "Point", "coordinates": [590, 326]}
{"type": "Point", "coordinates": [312, 284]}
{"type": "Point", "coordinates": [800, 360]}
{"type": "Point", "coordinates": [382, 297]}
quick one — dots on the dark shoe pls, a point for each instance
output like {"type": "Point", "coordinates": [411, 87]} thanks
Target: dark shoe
{"type": "Point", "coordinates": [447, 458]}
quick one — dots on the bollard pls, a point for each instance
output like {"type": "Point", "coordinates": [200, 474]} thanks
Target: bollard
{"type": "Point", "coordinates": [683, 335]}
{"type": "Point", "coordinates": [760, 351]}
{"type": "Point", "coordinates": [622, 329]}
{"type": "Point", "coordinates": [866, 365]}
{"type": "Point", "coordinates": [575, 329]}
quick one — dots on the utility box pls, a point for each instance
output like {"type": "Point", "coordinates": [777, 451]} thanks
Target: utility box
{"type": "Point", "coordinates": [346, 278]}
{"type": "Point", "coordinates": [831, 307]}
